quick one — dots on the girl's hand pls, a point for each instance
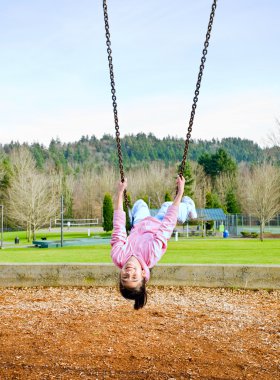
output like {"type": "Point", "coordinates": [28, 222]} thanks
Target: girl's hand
{"type": "Point", "coordinates": [180, 182]}
{"type": "Point", "coordinates": [122, 186]}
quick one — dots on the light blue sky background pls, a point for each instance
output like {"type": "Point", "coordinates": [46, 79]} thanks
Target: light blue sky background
{"type": "Point", "coordinates": [54, 79]}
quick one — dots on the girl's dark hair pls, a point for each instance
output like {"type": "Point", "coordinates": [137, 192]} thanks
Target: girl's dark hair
{"type": "Point", "coordinates": [139, 295]}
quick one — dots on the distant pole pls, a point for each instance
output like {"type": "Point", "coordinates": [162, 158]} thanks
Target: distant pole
{"type": "Point", "coordinates": [2, 224]}
{"type": "Point", "coordinates": [61, 221]}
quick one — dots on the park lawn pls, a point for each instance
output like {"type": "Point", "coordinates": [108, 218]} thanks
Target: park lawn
{"type": "Point", "coordinates": [189, 251]}
{"type": "Point", "coordinates": [224, 251]}
{"type": "Point", "coordinates": [84, 254]}
{"type": "Point", "coordinates": [10, 236]}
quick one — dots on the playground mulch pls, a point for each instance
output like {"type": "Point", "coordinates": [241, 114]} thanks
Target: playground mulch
{"type": "Point", "coordinates": [183, 333]}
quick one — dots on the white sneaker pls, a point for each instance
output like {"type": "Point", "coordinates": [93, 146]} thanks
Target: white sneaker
{"type": "Point", "coordinates": [192, 214]}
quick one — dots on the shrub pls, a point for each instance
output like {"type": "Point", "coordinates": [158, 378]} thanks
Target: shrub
{"type": "Point", "coordinates": [254, 234]}
{"type": "Point", "coordinates": [245, 234]}
{"type": "Point", "coordinates": [248, 234]}
{"type": "Point", "coordinates": [108, 212]}
{"type": "Point", "coordinates": [167, 197]}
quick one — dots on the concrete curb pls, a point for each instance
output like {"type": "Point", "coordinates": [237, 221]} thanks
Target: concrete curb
{"type": "Point", "coordinates": [82, 274]}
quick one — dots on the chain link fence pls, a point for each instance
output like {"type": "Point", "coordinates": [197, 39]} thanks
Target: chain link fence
{"type": "Point", "coordinates": [237, 223]}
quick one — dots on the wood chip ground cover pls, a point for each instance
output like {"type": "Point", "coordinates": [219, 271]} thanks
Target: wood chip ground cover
{"type": "Point", "coordinates": [183, 333]}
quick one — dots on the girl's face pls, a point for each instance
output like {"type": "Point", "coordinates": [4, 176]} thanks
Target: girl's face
{"type": "Point", "coordinates": [132, 273]}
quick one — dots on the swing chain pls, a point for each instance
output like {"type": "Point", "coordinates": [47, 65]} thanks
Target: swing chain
{"type": "Point", "coordinates": [114, 97]}
{"type": "Point", "coordinates": [196, 93]}
{"type": "Point", "coordinates": [195, 99]}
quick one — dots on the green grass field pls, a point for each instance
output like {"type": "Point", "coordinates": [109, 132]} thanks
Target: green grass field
{"type": "Point", "coordinates": [188, 251]}
{"type": "Point", "coordinates": [10, 236]}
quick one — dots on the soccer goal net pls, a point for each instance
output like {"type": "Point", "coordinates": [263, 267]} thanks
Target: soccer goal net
{"type": "Point", "coordinates": [76, 222]}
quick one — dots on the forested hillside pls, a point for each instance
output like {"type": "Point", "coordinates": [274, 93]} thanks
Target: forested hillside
{"type": "Point", "coordinates": [139, 148]}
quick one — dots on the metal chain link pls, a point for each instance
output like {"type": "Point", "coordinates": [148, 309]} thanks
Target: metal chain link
{"type": "Point", "coordinates": [196, 93]}
{"type": "Point", "coordinates": [114, 97]}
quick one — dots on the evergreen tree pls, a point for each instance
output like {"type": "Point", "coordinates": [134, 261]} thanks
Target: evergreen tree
{"type": "Point", "coordinates": [212, 201]}
{"type": "Point", "coordinates": [231, 203]}
{"type": "Point", "coordinates": [107, 213]}
{"type": "Point", "coordinates": [217, 163]}
{"type": "Point", "coordinates": [6, 173]}
{"type": "Point", "coordinates": [167, 197]}
{"type": "Point", "coordinates": [187, 174]}
{"type": "Point", "coordinates": [39, 153]}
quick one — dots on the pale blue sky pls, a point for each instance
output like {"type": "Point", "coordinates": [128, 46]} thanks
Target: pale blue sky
{"type": "Point", "coordinates": [54, 79]}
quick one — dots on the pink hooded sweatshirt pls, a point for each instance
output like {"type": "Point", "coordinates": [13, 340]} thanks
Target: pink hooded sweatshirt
{"type": "Point", "coordinates": [147, 240]}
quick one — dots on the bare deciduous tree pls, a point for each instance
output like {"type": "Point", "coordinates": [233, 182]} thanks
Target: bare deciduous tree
{"type": "Point", "coordinates": [223, 184]}
{"type": "Point", "coordinates": [84, 195]}
{"type": "Point", "coordinates": [152, 182]}
{"type": "Point", "coordinates": [2, 172]}
{"type": "Point", "coordinates": [89, 190]}
{"type": "Point", "coordinates": [32, 198]}
{"type": "Point", "coordinates": [201, 186]}
{"type": "Point", "coordinates": [273, 137]}
{"type": "Point", "coordinates": [260, 192]}
{"type": "Point", "coordinates": [273, 141]}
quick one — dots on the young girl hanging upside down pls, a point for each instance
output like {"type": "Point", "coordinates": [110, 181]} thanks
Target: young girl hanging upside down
{"type": "Point", "coordinates": [147, 241]}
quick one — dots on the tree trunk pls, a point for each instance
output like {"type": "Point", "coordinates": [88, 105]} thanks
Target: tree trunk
{"type": "Point", "coordinates": [33, 232]}
{"type": "Point", "coordinates": [28, 233]}
{"type": "Point", "coordinates": [262, 224]}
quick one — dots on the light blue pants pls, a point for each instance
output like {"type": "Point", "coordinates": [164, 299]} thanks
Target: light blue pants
{"type": "Point", "coordinates": [140, 210]}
